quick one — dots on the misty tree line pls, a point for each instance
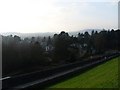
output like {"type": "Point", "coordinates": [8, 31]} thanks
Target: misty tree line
{"type": "Point", "coordinates": [20, 54]}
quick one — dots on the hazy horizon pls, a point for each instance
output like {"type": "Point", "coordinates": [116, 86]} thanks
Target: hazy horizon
{"type": "Point", "coordinates": [46, 16]}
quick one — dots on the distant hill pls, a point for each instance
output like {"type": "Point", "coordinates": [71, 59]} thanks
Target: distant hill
{"type": "Point", "coordinates": [23, 35]}
{"type": "Point", "coordinates": [46, 34]}
{"type": "Point", "coordinates": [75, 33]}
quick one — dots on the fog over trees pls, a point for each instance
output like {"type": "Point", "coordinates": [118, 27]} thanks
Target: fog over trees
{"type": "Point", "coordinates": [40, 52]}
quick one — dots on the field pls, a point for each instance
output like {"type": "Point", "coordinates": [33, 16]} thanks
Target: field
{"type": "Point", "coordinates": [102, 76]}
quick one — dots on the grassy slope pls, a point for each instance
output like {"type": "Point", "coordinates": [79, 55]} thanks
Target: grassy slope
{"type": "Point", "coordinates": [102, 76]}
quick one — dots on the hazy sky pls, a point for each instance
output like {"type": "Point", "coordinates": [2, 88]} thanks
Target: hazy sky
{"type": "Point", "coordinates": [57, 15]}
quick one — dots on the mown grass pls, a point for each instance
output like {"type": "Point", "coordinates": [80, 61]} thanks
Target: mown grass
{"type": "Point", "coordinates": [102, 76]}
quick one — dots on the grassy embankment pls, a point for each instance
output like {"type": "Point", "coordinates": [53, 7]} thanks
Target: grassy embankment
{"type": "Point", "coordinates": [102, 76]}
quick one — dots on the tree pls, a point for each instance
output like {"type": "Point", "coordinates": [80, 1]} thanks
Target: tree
{"type": "Point", "coordinates": [49, 41]}
{"type": "Point", "coordinates": [36, 52]}
{"type": "Point", "coordinates": [61, 44]}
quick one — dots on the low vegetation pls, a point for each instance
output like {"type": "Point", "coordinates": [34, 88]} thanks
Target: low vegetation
{"type": "Point", "coordinates": [38, 53]}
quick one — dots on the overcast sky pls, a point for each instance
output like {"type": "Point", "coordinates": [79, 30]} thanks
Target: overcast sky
{"type": "Point", "coordinates": [31, 16]}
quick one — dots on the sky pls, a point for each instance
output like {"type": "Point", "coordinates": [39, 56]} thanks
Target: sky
{"type": "Point", "coordinates": [32, 16]}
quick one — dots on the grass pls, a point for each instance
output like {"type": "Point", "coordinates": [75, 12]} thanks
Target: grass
{"type": "Point", "coordinates": [102, 76]}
